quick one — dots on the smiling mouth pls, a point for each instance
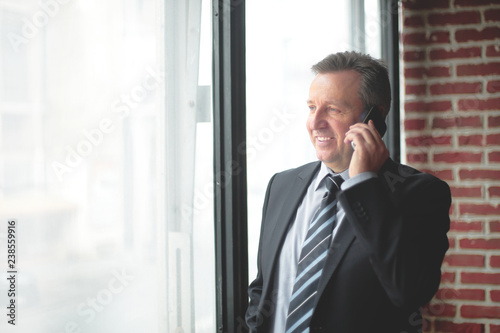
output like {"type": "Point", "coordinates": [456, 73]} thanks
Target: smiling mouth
{"type": "Point", "coordinates": [323, 138]}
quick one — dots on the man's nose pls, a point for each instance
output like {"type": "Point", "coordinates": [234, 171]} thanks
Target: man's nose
{"type": "Point", "coordinates": [318, 119]}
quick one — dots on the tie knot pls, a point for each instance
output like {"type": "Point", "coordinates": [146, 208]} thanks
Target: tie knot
{"type": "Point", "coordinates": [333, 183]}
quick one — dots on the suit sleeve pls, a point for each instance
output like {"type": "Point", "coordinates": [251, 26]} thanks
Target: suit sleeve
{"type": "Point", "coordinates": [402, 221]}
{"type": "Point", "coordinates": [253, 317]}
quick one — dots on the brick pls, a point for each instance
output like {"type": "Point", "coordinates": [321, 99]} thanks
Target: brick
{"type": "Point", "coordinates": [428, 141]}
{"type": "Point", "coordinates": [438, 309]}
{"type": "Point", "coordinates": [471, 140]}
{"type": "Point", "coordinates": [478, 104]}
{"type": "Point", "coordinates": [493, 51]}
{"type": "Point", "coordinates": [458, 157]}
{"type": "Point", "coordinates": [492, 15]}
{"type": "Point", "coordinates": [494, 226]}
{"type": "Point", "coordinates": [490, 68]}
{"type": "Point", "coordinates": [447, 277]}
{"type": "Point", "coordinates": [479, 209]}
{"type": "Point", "coordinates": [417, 158]}
{"type": "Point", "coordinates": [415, 89]}
{"type": "Point", "coordinates": [466, 192]}
{"type": "Point", "coordinates": [414, 124]}
{"type": "Point", "coordinates": [445, 54]}
{"type": "Point", "coordinates": [455, 88]}
{"type": "Point", "coordinates": [472, 121]}
{"type": "Point", "coordinates": [467, 35]}
{"type": "Point", "coordinates": [414, 21]}
{"type": "Point", "coordinates": [438, 71]}
{"type": "Point", "coordinates": [480, 278]}
{"type": "Point", "coordinates": [451, 242]}
{"type": "Point", "coordinates": [414, 72]}
{"type": "Point", "coordinates": [435, 106]}
{"type": "Point", "coordinates": [459, 18]}
{"type": "Point", "coordinates": [494, 191]}
{"type": "Point", "coordinates": [421, 38]}
{"type": "Point", "coordinates": [464, 260]}
{"type": "Point", "coordinates": [462, 294]}
{"type": "Point", "coordinates": [480, 243]}
{"type": "Point", "coordinates": [479, 174]}
{"type": "Point", "coordinates": [494, 156]}
{"type": "Point", "coordinates": [425, 72]}
{"type": "Point", "coordinates": [493, 86]}
{"type": "Point", "coordinates": [494, 328]}
{"type": "Point", "coordinates": [409, 56]}
{"type": "Point", "coordinates": [457, 226]}
{"type": "Point", "coordinates": [474, 311]}
{"type": "Point", "coordinates": [495, 262]}
{"type": "Point", "coordinates": [493, 139]}
{"type": "Point", "coordinates": [494, 121]}
{"type": "Point", "coordinates": [495, 295]}
{"type": "Point", "coordinates": [422, 5]}
{"type": "Point", "coordinates": [474, 3]}
{"type": "Point", "coordinates": [449, 326]}
{"type": "Point", "coordinates": [426, 325]}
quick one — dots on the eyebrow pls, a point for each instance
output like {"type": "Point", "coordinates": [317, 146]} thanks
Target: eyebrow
{"type": "Point", "coordinates": [342, 105]}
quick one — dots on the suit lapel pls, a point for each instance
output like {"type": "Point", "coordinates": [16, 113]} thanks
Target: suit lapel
{"type": "Point", "coordinates": [289, 208]}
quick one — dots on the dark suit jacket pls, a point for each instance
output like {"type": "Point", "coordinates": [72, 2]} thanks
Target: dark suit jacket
{"type": "Point", "coordinates": [383, 264]}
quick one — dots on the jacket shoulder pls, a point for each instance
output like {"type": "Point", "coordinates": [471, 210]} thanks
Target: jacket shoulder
{"type": "Point", "coordinates": [285, 181]}
{"type": "Point", "coordinates": [402, 178]}
{"type": "Point", "coordinates": [301, 171]}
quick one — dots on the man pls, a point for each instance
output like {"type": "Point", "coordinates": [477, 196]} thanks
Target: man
{"type": "Point", "coordinates": [383, 257]}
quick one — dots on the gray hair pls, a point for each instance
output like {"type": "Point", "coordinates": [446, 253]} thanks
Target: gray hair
{"type": "Point", "coordinates": [375, 88]}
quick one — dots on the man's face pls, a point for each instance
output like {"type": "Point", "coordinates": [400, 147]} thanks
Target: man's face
{"type": "Point", "coordinates": [334, 105]}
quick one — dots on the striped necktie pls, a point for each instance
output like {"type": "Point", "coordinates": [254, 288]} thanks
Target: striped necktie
{"type": "Point", "coordinates": [312, 260]}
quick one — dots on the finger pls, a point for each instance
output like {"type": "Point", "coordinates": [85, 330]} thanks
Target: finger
{"type": "Point", "coordinates": [361, 133]}
{"type": "Point", "coordinates": [374, 129]}
{"type": "Point", "coordinates": [370, 126]}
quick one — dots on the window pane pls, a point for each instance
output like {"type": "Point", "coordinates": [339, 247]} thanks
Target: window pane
{"type": "Point", "coordinates": [89, 166]}
{"type": "Point", "coordinates": [373, 23]}
{"type": "Point", "coordinates": [283, 42]}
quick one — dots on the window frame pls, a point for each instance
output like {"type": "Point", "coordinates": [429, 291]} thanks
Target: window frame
{"type": "Point", "coordinates": [230, 169]}
{"type": "Point", "coordinates": [389, 10]}
{"type": "Point", "coordinates": [230, 181]}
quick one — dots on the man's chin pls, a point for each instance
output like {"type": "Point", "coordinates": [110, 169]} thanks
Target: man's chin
{"type": "Point", "coordinates": [325, 156]}
{"type": "Point", "coordinates": [334, 164]}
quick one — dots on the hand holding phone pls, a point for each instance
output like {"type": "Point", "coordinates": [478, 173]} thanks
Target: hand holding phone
{"type": "Point", "coordinates": [373, 152]}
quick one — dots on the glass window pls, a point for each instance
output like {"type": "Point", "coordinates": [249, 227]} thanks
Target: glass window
{"type": "Point", "coordinates": [106, 165]}
{"type": "Point", "coordinates": [283, 42]}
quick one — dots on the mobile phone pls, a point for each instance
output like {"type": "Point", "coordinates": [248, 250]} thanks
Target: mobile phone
{"type": "Point", "coordinates": [375, 114]}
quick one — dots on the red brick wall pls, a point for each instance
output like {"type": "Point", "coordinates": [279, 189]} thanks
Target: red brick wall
{"type": "Point", "coordinates": [451, 64]}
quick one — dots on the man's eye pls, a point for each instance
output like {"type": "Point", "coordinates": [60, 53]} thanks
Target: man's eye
{"type": "Point", "coordinates": [333, 110]}
{"type": "Point", "coordinates": [312, 107]}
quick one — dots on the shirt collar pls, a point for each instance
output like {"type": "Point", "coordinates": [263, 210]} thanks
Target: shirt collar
{"type": "Point", "coordinates": [324, 171]}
